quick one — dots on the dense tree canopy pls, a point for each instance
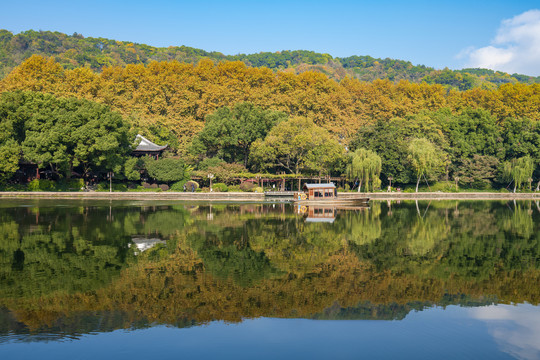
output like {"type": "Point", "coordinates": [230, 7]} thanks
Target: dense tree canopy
{"type": "Point", "coordinates": [298, 145]}
{"type": "Point", "coordinates": [178, 97]}
{"type": "Point", "coordinates": [229, 133]}
{"type": "Point", "coordinates": [63, 134]}
{"type": "Point", "coordinates": [10, 153]}
{"type": "Point", "coordinates": [473, 142]}
{"type": "Point", "coordinates": [208, 111]}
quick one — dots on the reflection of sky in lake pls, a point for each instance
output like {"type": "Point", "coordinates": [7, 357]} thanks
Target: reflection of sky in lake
{"type": "Point", "coordinates": [515, 327]}
{"type": "Point", "coordinates": [434, 333]}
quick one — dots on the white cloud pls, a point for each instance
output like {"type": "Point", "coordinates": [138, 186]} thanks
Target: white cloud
{"type": "Point", "coordinates": [516, 328]}
{"type": "Point", "coordinates": [515, 48]}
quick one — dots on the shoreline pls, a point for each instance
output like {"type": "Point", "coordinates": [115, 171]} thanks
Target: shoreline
{"type": "Point", "coordinates": [246, 196]}
{"type": "Point", "coordinates": [215, 196]}
{"type": "Point", "coordinates": [454, 196]}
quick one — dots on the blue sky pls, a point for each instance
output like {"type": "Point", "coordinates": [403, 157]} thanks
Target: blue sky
{"type": "Point", "coordinates": [438, 34]}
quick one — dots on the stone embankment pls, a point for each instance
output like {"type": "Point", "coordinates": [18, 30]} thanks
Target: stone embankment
{"type": "Point", "coordinates": [443, 196]}
{"type": "Point", "coordinates": [246, 196]}
{"type": "Point", "coordinates": [213, 196]}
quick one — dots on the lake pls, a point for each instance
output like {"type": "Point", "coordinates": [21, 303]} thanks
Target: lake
{"type": "Point", "coordinates": [90, 279]}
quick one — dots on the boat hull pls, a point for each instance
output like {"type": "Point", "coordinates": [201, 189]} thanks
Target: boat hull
{"type": "Point", "coordinates": [332, 202]}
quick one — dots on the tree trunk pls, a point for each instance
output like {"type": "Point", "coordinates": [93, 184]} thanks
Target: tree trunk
{"type": "Point", "coordinates": [359, 185]}
{"type": "Point", "coordinates": [538, 186]}
{"type": "Point", "coordinates": [246, 156]}
{"type": "Point", "coordinates": [515, 186]}
{"type": "Point", "coordinates": [86, 171]}
{"type": "Point", "coordinates": [417, 183]}
{"type": "Point", "coordinates": [70, 170]}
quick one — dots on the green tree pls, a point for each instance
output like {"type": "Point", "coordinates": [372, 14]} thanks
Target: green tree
{"type": "Point", "coordinates": [424, 157]}
{"type": "Point", "coordinates": [519, 170]}
{"type": "Point", "coordinates": [12, 131]}
{"type": "Point", "coordinates": [452, 79]}
{"type": "Point", "coordinates": [65, 133]}
{"type": "Point", "coordinates": [390, 140]}
{"type": "Point", "coordinates": [298, 145]}
{"type": "Point", "coordinates": [229, 133]}
{"type": "Point", "coordinates": [478, 172]}
{"type": "Point", "coordinates": [364, 165]}
{"type": "Point", "coordinates": [472, 132]}
{"type": "Point", "coordinates": [226, 172]}
{"type": "Point", "coordinates": [103, 141]}
{"type": "Point", "coordinates": [133, 168]}
{"type": "Point", "coordinates": [167, 170]}
{"type": "Point", "coordinates": [10, 153]}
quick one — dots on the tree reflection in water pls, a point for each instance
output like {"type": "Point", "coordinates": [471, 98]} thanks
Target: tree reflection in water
{"type": "Point", "coordinates": [63, 267]}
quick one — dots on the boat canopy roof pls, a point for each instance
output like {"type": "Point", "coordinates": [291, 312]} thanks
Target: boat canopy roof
{"type": "Point", "coordinates": [319, 186]}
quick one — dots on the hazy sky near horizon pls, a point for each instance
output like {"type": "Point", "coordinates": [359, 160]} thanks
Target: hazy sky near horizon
{"type": "Point", "coordinates": [501, 35]}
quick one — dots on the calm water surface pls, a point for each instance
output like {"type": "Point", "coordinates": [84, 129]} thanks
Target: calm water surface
{"type": "Point", "coordinates": [171, 280]}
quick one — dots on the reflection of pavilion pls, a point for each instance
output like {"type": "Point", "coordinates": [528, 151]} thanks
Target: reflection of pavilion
{"type": "Point", "coordinates": [144, 244]}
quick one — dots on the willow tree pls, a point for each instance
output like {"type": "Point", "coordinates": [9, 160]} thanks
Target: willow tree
{"type": "Point", "coordinates": [364, 165]}
{"type": "Point", "coordinates": [519, 170]}
{"type": "Point", "coordinates": [424, 158]}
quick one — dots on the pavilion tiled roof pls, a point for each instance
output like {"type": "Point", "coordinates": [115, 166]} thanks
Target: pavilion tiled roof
{"type": "Point", "coordinates": [147, 145]}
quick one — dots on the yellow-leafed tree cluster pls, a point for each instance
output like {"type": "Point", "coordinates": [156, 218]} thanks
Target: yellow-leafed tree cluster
{"type": "Point", "coordinates": [173, 97]}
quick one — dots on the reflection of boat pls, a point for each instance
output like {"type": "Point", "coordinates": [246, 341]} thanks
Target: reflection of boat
{"type": "Point", "coordinates": [326, 213]}
{"type": "Point", "coordinates": [323, 194]}
{"type": "Point", "coordinates": [320, 214]}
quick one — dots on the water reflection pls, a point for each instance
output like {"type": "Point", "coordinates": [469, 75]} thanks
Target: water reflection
{"type": "Point", "coordinates": [91, 266]}
{"type": "Point", "coordinates": [516, 328]}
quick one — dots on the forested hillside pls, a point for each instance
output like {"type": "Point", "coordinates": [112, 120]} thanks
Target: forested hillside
{"type": "Point", "coordinates": [72, 51]}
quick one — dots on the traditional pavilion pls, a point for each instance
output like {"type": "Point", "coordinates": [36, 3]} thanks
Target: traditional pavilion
{"type": "Point", "coordinates": [320, 191]}
{"type": "Point", "coordinates": [146, 147]}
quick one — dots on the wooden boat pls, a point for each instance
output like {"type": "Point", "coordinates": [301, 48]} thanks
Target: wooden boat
{"type": "Point", "coordinates": [324, 194]}
{"type": "Point", "coordinates": [334, 202]}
